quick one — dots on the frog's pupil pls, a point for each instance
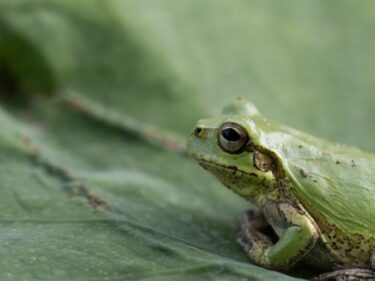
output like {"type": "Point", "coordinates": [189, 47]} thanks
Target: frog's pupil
{"type": "Point", "coordinates": [230, 134]}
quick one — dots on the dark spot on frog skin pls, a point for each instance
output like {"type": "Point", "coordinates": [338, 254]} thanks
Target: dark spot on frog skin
{"type": "Point", "coordinates": [300, 146]}
{"type": "Point", "coordinates": [337, 162]}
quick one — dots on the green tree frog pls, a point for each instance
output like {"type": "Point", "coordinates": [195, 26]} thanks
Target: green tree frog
{"type": "Point", "coordinates": [315, 200]}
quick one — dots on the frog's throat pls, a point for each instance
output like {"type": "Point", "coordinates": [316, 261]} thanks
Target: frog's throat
{"type": "Point", "coordinates": [253, 187]}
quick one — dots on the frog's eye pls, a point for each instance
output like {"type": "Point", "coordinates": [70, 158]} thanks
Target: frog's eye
{"type": "Point", "coordinates": [232, 137]}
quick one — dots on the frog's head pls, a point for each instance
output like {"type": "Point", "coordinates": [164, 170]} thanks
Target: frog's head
{"type": "Point", "coordinates": [229, 147]}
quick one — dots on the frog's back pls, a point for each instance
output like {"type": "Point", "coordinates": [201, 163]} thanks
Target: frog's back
{"type": "Point", "coordinates": [338, 182]}
{"type": "Point", "coordinates": [333, 181]}
{"type": "Point", "coordinates": [335, 184]}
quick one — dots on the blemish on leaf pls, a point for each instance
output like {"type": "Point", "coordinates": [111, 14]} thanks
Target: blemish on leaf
{"type": "Point", "coordinates": [26, 140]}
{"type": "Point", "coordinates": [75, 104]}
{"type": "Point", "coordinates": [76, 188]}
{"type": "Point", "coordinates": [92, 200]}
{"type": "Point", "coordinates": [303, 172]}
{"type": "Point", "coordinates": [164, 250]}
{"type": "Point", "coordinates": [150, 134]}
{"type": "Point", "coordinates": [95, 202]}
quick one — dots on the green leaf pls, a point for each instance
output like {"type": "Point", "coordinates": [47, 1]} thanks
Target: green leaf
{"type": "Point", "coordinates": [98, 96]}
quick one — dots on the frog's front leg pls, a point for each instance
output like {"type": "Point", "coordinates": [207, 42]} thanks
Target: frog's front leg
{"type": "Point", "coordinates": [298, 235]}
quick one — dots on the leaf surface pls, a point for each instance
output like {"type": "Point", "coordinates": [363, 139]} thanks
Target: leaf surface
{"type": "Point", "coordinates": [98, 96]}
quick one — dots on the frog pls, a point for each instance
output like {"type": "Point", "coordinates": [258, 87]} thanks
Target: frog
{"type": "Point", "coordinates": [313, 201]}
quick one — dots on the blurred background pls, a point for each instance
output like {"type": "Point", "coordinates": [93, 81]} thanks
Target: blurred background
{"type": "Point", "coordinates": [97, 98]}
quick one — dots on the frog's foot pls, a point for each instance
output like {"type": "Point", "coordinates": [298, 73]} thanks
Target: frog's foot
{"type": "Point", "coordinates": [265, 248]}
{"type": "Point", "coordinates": [353, 274]}
{"type": "Point", "coordinates": [250, 238]}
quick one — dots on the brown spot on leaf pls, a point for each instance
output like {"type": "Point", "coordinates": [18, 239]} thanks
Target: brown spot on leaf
{"type": "Point", "coordinates": [94, 201]}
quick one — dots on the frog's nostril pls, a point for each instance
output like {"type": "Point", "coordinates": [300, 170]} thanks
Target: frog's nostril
{"type": "Point", "coordinates": [198, 132]}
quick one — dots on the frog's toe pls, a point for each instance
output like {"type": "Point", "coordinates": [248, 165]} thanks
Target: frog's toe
{"type": "Point", "coordinates": [253, 224]}
{"type": "Point", "coordinates": [243, 241]}
{"type": "Point", "coordinates": [254, 244]}
{"type": "Point", "coordinates": [353, 274]}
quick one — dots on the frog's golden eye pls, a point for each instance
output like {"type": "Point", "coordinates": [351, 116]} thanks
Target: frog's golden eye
{"type": "Point", "coordinates": [232, 137]}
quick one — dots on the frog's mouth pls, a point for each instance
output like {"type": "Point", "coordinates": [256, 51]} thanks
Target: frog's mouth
{"type": "Point", "coordinates": [230, 168]}
{"type": "Point", "coordinates": [248, 184]}
{"type": "Point", "coordinates": [239, 179]}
